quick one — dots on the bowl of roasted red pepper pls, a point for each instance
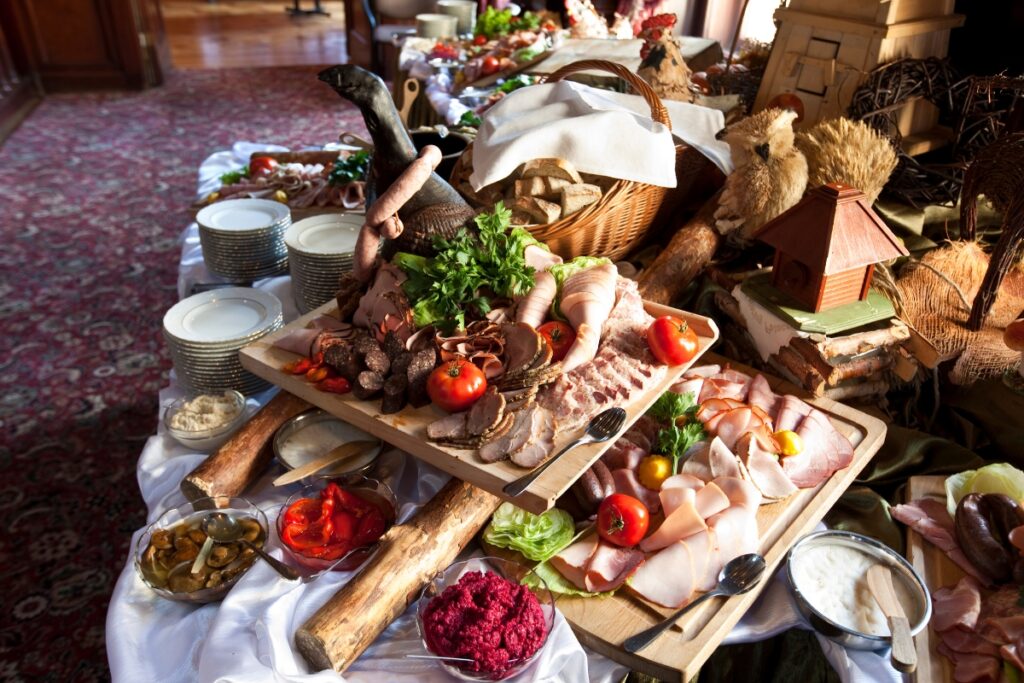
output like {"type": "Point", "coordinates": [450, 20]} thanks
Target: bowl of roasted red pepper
{"type": "Point", "coordinates": [335, 525]}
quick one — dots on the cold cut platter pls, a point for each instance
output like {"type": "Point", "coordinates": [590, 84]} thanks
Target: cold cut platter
{"type": "Point", "coordinates": [408, 428]}
{"type": "Point", "coordinates": [770, 528]}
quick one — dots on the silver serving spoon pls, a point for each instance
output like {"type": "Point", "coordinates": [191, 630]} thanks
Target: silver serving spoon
{"type": "Point", "coordinates": [223, 528]}
{"type": "Point", "coordinates": [602, 427]}
{"type": "Point", "coordinates": [443, 659]}
{"type": "Point", "coordinates": [738, 576]}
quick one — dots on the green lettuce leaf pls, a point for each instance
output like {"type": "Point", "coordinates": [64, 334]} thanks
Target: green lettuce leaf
{"type": "Point", "coordinates": [998, 477]}
{"type": "Point", "coordinates": [537, 537]}
{"type": "Point", "coordinates": [556, 583]}
{"type": "Point", "coordinates": [563, 271]}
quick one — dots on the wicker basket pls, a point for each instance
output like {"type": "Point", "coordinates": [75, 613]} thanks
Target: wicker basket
{"type": "Point", "coordinates": [617, 223]}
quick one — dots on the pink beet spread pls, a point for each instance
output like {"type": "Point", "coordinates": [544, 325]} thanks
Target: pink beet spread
{"type": "Point", "coordinates": [484, 617]}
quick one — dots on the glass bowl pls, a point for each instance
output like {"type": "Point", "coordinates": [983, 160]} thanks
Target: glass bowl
{"type": "Point", "coordinates": [375, 492]}
{"type": "Point", "coordinates": [506, 569]}
{"type": "Point", "coordinates": [157, 567]}
{"type": "Point", "coordinates": [208, 439]}
{"type": "Point", "coordinates": [323, 433]}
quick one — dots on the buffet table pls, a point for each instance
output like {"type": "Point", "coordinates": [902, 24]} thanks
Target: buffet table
{"type": "Point", "coordinates": [248, 636]}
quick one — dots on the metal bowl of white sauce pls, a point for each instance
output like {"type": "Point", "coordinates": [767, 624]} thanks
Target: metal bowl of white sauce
{"type": "Point", "coordinates": [827, 573]}
{"type": "Point", "coordinates": [316, 433]}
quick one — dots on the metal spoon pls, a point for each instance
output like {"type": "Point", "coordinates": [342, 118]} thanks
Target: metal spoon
{"type": "Point", "coordinates": [223, 528]}
{"type": "Point", "coordinates": [738, 576]}
{"type": "Point", "coordinates": [601, 428]}
{"type": "Point", "coordinates": [443, 659]}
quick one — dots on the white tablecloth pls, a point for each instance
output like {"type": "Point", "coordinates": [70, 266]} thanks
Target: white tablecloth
{"type": "Point", "coordinates": [247, 638]}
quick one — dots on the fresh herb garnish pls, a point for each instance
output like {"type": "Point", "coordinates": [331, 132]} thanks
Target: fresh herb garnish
{"type": "Point", "coordinates": [232, 177]}
{"type": "Point", "coordinates": [467, 271]}
{"type": "Point", "coordinates": [494, 22]}
{"type": "Point", "coordinates": [353, 167]}
{"type": "Point", "coordinates": [470, 120]}
{"type": "Point", "coordinates": [515, 83]}
{"type": "Point", "coordinates": [673, 441]}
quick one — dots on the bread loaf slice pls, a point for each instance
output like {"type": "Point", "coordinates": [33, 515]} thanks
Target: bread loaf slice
{"type": "Point", "coordinates": [576, 197]}
{"type": "Point", "coordinates": [531, 187]}
{"type": "Point", "coordinates": [555, 168]}
{"type": "Point", "coordinates": [541, 210]}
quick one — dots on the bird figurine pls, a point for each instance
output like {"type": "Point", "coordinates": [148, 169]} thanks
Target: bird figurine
{"type": "Point", "coordinates": [769, 176]}
{"type": "Point", "coordinates": [662, 63]}
{"type": "Point", "coordinates": [849, 152]}
{"type": "Point", "coordinates": [416, 204]}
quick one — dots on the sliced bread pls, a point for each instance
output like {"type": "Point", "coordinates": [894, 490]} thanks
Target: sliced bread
{"type": "Point", "coordinates": [576, 197]}
{"type": "Point", "coordinates": [540, 210]}
{"type": "Point", "coordinates": [555, 168]}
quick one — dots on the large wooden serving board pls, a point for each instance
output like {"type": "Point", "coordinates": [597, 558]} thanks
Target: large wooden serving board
{"type": "Point", "coordinates": [938, 571]}
{"type": "Point", "coordinates": [603, 623]}
{"type": "Point", "coordinates": [407, 429]}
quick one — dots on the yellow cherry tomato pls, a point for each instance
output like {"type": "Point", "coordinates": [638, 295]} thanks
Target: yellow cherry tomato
{"type": "Point", "coordinates": [212, 197]}
{"type": "Point", "coordinates": [790, 442]}
{"type": "Point", "coordinates": [653, 470]}
{"type": "Point", "coordinates": [281, 196]}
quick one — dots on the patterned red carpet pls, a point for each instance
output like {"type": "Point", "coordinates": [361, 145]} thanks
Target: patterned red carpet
{"type": "Point", "coordinates": [96, 189]}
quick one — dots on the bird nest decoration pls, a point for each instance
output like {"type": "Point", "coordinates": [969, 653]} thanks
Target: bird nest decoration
{"type": "Point", "coordinates": [878, 101]}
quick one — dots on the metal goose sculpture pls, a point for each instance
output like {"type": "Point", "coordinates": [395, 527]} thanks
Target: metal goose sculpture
{"type": "Point", "coordinates": [406, 202]}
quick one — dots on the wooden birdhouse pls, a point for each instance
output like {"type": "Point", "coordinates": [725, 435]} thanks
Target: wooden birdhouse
{"type": "Point", "coordinates": [824, 49]}
{"type": "Point", "coordinates": [826, 247]}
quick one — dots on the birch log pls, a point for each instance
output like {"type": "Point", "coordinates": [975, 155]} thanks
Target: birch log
{"type": "Point", "coordinates": [409, 555]}
{"type": "Point", "coordinates": [684, 258]}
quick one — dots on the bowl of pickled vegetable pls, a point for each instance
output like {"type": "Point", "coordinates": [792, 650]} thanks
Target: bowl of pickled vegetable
{"type": "Point", "coordinates": [168, 548]}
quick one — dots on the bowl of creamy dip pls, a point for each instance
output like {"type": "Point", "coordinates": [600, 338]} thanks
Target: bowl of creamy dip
{"type": "Point", "coordinates": [204, 422]}
{"type": "Point", "coordinates": [827, 573]}
{"type": "Point", "coordinates": [316, 433]}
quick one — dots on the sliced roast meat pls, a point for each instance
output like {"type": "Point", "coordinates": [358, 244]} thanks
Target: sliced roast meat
{"type": "Point", "coordinates": [486, 413]}
{"type": "Point", "coordinates": [449, 427]}
{"type": "Point", "coordinates": [542, 441]}
{"type": "Point", "coordinates": [516, 438]}
{"type": "Point", "coordinates": [522, 346]}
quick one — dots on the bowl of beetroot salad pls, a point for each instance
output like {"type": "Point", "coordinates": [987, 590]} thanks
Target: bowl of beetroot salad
{"type": "Point", "coordinates": [478, 610]}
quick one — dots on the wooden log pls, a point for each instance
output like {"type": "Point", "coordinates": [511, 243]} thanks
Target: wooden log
{"type": "Point", "coordinates": [244, 457]}
{"type": "Point", "coordinates": [806, 375]}
{"type": "Point", "coordinates": [857, 390]}
{"type": "Point", "coordinates": [834, 373]}
{"type": "Point", "coordinates": [392, 579]}
{"type": "Point", "coordinates": [852, 344]}
{"type": "Point", "coordinates": [687, 254]}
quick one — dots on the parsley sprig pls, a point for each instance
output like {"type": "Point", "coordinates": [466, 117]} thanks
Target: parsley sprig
{"type": "Point", "coordinates": [353, 167]}
{"type": "Point", "coordinates": [674, 440]}
{"type": "Point", "coordinates": [467, 271]}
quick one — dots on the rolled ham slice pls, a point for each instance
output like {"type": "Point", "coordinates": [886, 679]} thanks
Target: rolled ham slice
{"type": "Point", "coordinates": [534, 307]}
{"type": "Point", "coordinates": [684, 521]}
{"type": "Point", "coordinates": [572, 561]}
{"type": "Point", "coordinates": [666, 578]}
{"type": "Point", "coordinates": [610, 566]}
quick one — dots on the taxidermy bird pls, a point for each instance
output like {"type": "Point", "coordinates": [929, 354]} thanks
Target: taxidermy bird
{"type": "Point", "coordinates": [848, 152]}
{"type": "Point", "coordinates": [663, 66]}
{"type": "Point", "coordinates": [770, 173]}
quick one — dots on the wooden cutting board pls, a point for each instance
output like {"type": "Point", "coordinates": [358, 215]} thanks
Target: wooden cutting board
{"type": "Point", "coordinates": [603, 623]}
{"type": "Point", "coordinates": [938, 571]}
{"type": "Point", "coordinates": [407, 429]}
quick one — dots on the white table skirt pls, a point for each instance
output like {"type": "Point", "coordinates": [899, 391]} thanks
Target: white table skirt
{"type": "Point", "coordinates": [247, 637]}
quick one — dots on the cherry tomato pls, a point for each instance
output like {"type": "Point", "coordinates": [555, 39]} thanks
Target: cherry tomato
{"type": "Point", "coordinates": [559, 336]}
{"type": "Point", "coordinates": [490, 66]}
{"type": "Point", "coordinates": [262, 166]}
{"type": "Point", "coordinates": [622, 520]}
{"type": "Point", "coordinates": [671, 340]}
{"type": "Point", "coordinates": [456, 385]}
{"type": "Point", "coordinates": [480, 40]}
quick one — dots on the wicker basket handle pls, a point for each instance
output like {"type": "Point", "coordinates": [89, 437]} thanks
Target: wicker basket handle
{"type": "Point", "coordinates": [639, 85]}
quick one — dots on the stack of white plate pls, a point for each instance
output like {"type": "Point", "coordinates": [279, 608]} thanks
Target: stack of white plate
{"type": "Point", "coordinates": [243, 239]}
{"type": "Point", "coordinates": [320, 249]}
{"type": "Point", "coordinates": [204, 333]}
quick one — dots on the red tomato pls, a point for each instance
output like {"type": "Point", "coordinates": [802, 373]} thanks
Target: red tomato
{"type": "Point", "coordinates": [456, 385]}
{"type": "Point", "coordinates": [480, 40]}
{"type": "Point", "coordinates": [788, 100]}
{"type": "Point", "coordinates": [671, 340]}
{"type": "Point", "coordinates": [559, 336]}
{"type": "Point", "coordinates": [262, 166]}
{"type": "Point", "coordinates": [490, 66]}
{"type": "Point", "coordinates": [622, 520]}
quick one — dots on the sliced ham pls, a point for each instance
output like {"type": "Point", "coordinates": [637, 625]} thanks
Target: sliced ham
{"type": "Point", "coordinates": [705, 545]}
{"type": "Point", "coordinates": [541, 442]}
{"type": "Point", "coordinates": [763, 468]}
{"type": "Point", "coordinates": [610, 566]}
{"type": "Point", "coordinates": [623, 454]}
{"type": "Point", "coordinates": [976, 669]}
{"type": "Point", "coordinates": [730, 425]}
{"type": "Point", "coordinates": [684, 521]}
{"type": "Point", "coordinates": [741, 493]}
{"type": "Point", "coordinates": [722, 388]}
{"type": "Point", "coordinates": [627, 483]}
{"type": "Point", "coordinates": [540, 258]}
{"type": "Point", "coordinates": [1003, 629]}
{"type": "Point", "coordinates": [762, 396]}
{"type": "Point", "coordinates": [791, 412]}
{"type": "Point", "coordinates": [958, 606]}
{"type": "Point", "coordinates": [667, 577]}
{"type": "Point", "coordinates": [722, 462]}
{"type": "Point", "coordinates": [710, 500]}
{"type": "Point", "coordinates": [298, 341]}
{"type": "Point", "coordinates": [698, 463]}
{"type": "Point", "coordinates": [534, 307]}
{"type": "Point", "coordinates": [702, 371]}
{"type": "Point", "coordinates": [736, 531]}
{"type": "Point", "coordinates": [931, 519]}
{"type": "Point", "coordinates": [714, 406]}
{"type": "Point", "coordinates": [812, 465]}
{"type": "Point", "coordinates": [572, 561]}
{"type": "Point", "coordinates": [676, 490]}
{"type": "Point", "coordinates": [968, 642]}
{"type": "Point", "coordinates": [689, 386]}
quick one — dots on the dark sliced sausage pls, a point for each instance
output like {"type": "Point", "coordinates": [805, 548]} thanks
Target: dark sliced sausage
{"type": "Point", "coordinates": [396, 394]}
{"type": "Point", "coordinates": [377, 361]}
{"type": "Point", "coordinates": [604, 475]}
{"type": "Point", "coordinates": [368, 384]}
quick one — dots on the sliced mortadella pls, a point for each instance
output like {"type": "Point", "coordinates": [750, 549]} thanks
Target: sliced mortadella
{"type": "Point", "coordinates": [610, 566]}
{"type": "Point", "coordinates": [666, 578]}
{"type": "Point", "coordinates": [572, 562]}
{"type": "Point", "coordinates": [710, 500]}
{"type": "Point", "coordinates": [683, 522]}
{"type": "Point", "coordinates": [740, 492]}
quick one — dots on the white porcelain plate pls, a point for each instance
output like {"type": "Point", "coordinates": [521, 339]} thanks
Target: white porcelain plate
{"type": "Point", "coordinates": [242, 214]}
{"type": "Point", "coordinates": [325, 234]}
{"type": "Point", "coordinates": [222, 314]}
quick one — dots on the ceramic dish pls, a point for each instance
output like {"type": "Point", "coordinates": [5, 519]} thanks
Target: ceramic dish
{"type": "Point", "coordinates": [205, 440]}
{"type": "Point", "coordinates": [506, 569]}
{"type": "Point", "coordinates": [153, 572]}
{"type": "Point", "coordinates": [222, 315]}
{"type": "Point", "coordinates": [242, 215]}
{"type": "Point", "coordinates": [918, 611]}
